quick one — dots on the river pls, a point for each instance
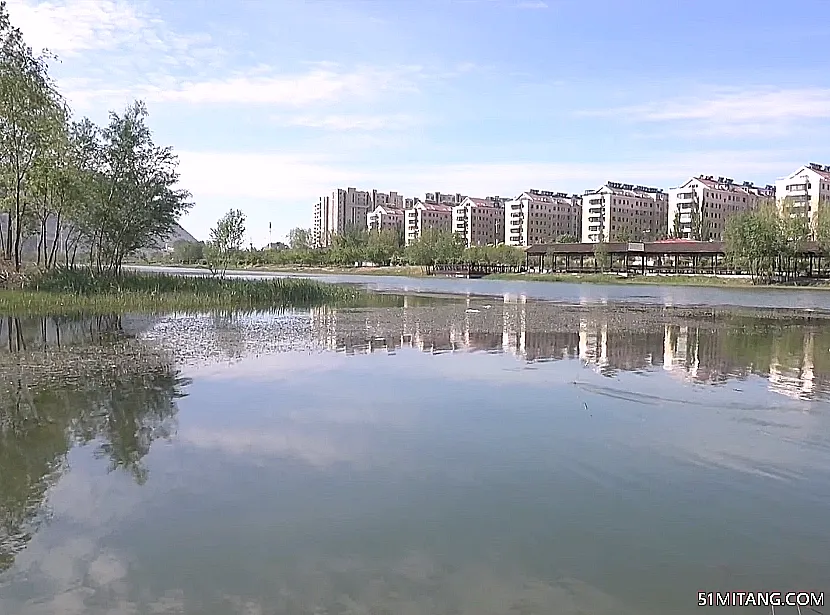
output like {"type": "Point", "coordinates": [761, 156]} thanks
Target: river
{"type": "Point", "coordinates": [486, 454]}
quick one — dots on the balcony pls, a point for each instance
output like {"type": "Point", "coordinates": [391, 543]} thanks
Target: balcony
{"type": "Point", "coordinates": [595, 210]}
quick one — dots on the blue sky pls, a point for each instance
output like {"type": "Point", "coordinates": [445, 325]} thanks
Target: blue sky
{"type": "Point", "coordinates": [270, 103]}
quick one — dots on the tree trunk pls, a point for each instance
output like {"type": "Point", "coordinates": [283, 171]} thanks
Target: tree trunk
{"type": "Point", "coordinates": [18, 231]}
{"type": "Point", "coordinates": [50, 262]}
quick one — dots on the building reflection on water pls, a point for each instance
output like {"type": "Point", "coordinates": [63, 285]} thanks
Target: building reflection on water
{"type": "Point", "coordinates": [794, 359]}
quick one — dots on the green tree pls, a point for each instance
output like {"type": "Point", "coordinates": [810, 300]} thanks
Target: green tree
{"type": "Point", "coordinates": [754, 241]}
{"type": "Point", "coordinates": [676, 229]}
{"type": "Point", "coordinates": [349, 248]}
{"type": "Point", "coordinates": [567, 239]}
{"type": "Point", "coordinates": [188, 252]}
{"type": "Point", "coordinates": [225, 241]}
{"type": "Point", "coordinates": [134, 202]}
{"type": "Point", "coordinates": [31, 113]}
{"type": "Point", "coordinates": [696, 225]}
{"type": "Point", "coordinates": [821, 226]}
{"type": "Point", "coordinates": [602, 258]}
{"type": "Point", "coordinates": [382, 246]}
{"type": "Point", "coordinates": [299, 239]}
{"type": "Point", "coordinates": [795, 232]}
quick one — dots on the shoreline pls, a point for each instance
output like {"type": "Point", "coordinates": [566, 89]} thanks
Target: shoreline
{"type": "Point", "coordinates": [417, 271]}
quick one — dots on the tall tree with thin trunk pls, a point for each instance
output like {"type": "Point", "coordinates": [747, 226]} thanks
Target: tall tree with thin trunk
{"type": "Point", "coordinates": [30, 114]}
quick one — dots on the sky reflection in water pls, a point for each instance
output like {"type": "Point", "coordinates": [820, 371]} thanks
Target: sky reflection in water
{"type": "Point", "coordinates": [519, 458]}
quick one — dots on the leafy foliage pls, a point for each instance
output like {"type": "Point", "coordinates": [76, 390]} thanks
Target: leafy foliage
{"type": "Point", "coordinates": [225, 240]}
{"type": "Point", "coordinates": [767, 241]}
{"type": "Point", "coordinates": [299, 239]}
{"type": "Point", "coordinates": [108, 192]}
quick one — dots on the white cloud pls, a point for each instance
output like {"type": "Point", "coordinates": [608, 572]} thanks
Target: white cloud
{"type": "Point", "coordinates": [733, 113]}
{"type": "Point", "coordinates": [319, 85]}
{"type": "Point", "coordinates": [313, 87]}
{"type": "Point", "coordinates": [288, 177]}
{"type": "Point", "coordinates": [532, 4]}
{"type": "Point", "coordinates": [68, 27]}
{"type": "Point", "coordinates": [315, 449]}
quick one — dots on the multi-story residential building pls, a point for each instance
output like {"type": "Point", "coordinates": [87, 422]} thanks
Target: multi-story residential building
{"type": "Point", "coordinates": [425, 217]}
{"type": "Point", "coordinates": [479, 221]}
{"type": "Point", "coordinates": [345, 209]}
{"type": "Point", "coordinates": [701, 207]}
{"type": "Point", "coordinates": [384, 218]}
{"type": "Point", "coordinates": [393, 199]}
{"type": "Point", "coordinates": [320, 231]}
{"type": "Point", "coordinates": [539, 216]}
{"type": "Point", "coordinates": [624, 211]}
{"type": "Point", "coordinates": [803, 190]}
{"type": "Point", "coordinates": [444, 199]}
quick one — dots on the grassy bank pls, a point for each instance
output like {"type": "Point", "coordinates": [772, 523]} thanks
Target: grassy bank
{"type": "Point", "coordinates": [81, 291]}
{"type": "Point", "coordinates": [410, 271]}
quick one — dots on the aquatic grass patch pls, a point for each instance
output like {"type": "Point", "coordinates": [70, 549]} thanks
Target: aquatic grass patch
{"type": "Point", "coordinates": [83, 291]}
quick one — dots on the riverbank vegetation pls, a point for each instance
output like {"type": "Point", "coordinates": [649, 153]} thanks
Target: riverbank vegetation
{"type": "Point", "coordinates": [86, 291]}
{"type": "Point", "coordinates": [769, 243]}
{"type": "Point", "coordinates": [354, 248]}
{"type": "Point", "coordinates": [71, 191]}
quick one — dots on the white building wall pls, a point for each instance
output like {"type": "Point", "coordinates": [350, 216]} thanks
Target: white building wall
{"type": "Point", "coordinates": [615, 207]}
{"type": "Point", "coordinates": [717, 198]}
{"type": "Point", "coordinates": [539, 216]}
{"type": "Point", "coordinates": [804, 190]}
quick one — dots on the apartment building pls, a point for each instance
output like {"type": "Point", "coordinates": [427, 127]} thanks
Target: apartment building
{"type": "Point", "coordinates": [444, 199]}
{"type": "Point", "coordinates": [392, 199]}
{"type": "Point", "coordinates": [345, 209]}
{"type": "Point", "coordinates": [424, 217]}
{"type": "Point", "coordinates": [320, 230]}
{"type": "Point", "coordinates": [384, 218]}
{"type": "Point", "coordinates": [479, 221]}
{"type": "Point", "coordinates": [701, 207]}
{"type": "Point", "coordinates": [804, 190]}
{"type": "Point", "coordinates": [624, 211]}
{"type": "Point", "coordinates": [539, 216]}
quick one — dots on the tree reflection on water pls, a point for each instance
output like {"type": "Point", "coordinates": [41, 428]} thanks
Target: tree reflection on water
{"type": "Point", "coordinates": [104, 386]}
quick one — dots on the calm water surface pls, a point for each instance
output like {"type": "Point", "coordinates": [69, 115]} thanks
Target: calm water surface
{"type": "Point", "coordinates": [646, 294]}
{"type": "Point", "coordinates": [475, 456]}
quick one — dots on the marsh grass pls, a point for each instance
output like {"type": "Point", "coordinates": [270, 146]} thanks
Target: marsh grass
{"type": "Point", "coordinates": [82, 291]}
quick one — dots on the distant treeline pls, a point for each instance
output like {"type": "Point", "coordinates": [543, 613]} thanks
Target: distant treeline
{"type": "Point", "coordinates": [382, 248]}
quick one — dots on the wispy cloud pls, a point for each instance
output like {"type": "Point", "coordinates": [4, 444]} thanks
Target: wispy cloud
{"type": "Point", "coordinates": [313, 87]}
{"type": "Point", "coordinates": [743, 112]}
{"type": "Point", "coordinates": [71, 27]}
{"type": "Point", "coordinates": [303, 177]}
{"type": "Point", "coordinates": [532, 4]}
{"type": "Point", "coordinates": [74, 27]}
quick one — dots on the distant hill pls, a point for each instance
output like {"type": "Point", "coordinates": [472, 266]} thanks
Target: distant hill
{"type": "Point", "coordinates": [162, 244]}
